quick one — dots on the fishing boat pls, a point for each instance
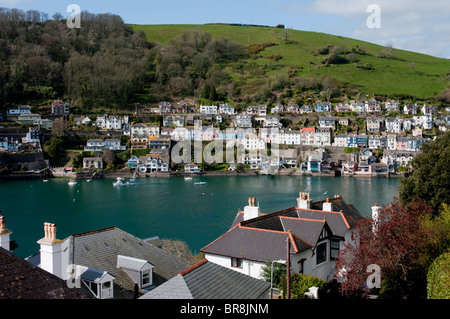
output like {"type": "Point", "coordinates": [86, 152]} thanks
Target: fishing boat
{"type": "Point", "coordinates": [200, 183]}
{"type": "Point", "coordinates": [72, 182]}
{"type": "Point", "coordinates": [120, 182]}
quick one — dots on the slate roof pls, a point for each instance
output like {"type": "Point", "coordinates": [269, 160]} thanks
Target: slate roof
{"type": "Point", "coordinates": [264, 238]}
{"type": "Point", "coordinates": [207, 280]}
{"type": "Point", "coordinates": [19, 279]}
{"type": "Point", "coordinates": [99, 249]}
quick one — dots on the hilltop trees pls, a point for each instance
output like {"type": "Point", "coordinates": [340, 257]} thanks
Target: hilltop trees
{"type": "Point", "coordinates": [103, 62]}
{"type": "Point", "coordinates": [189, 65]}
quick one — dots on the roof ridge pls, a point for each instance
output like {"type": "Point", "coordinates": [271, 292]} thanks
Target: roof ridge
{"type": "Point", "coordinates": [184, 272]}
{"type": "Point", "coordinates": [94, 231]}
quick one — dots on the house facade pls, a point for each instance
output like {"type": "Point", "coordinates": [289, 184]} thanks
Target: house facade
{"type": "Point", "coordinates": [255, 239]}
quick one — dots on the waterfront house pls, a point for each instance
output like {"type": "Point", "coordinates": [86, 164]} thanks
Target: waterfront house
{"type": "Point", "coordinates": [307, 135]}
{"type": "Point", "coordinates": [153, 163]}
{"type": "Point", "coordinates": [158, 144]}
{"type": "Point", "coordinates": [78, 120]}
{"type": "Point", "coordinates": [394, 159]}
{"type": "Point", "coordinates": [134, 162]}
{"type": "Point", "coordinates": [111, 122]}
{"type": "Point", "coordinates": [394, 125]}
{"type": "Point", "coordinates": [97, 145]}
{"type": "Point", "coordinates": [428, 110]}
{"type": "Point", "coordinates": [226, 109]}
{"type": "Point", "coordinates": [327, 121]}
{"type": "Point", "coordinates": [392, 106]}
{"type": "Point", "coordinates": [357, 107]}
{"type": "Point", "coordinates": [207, 280]}
{"type": "Point", "coordinates": [323, 107]}
{"type": "Point", "coordinates": [259, 110]}
{"type": "Point", "coordinates": [277, 109]}
{"type": "Point", "coordinates": [374, 124]}
{"type": "Point", "coordinates": [28, 118]}
{"type": "Point", "coordinates": [313, 231]}
{"type": "Point", "coordinates": [92, 163]}
{"type": "Point", "coordinates": [372, 106]}
{"type": "Point", "coordinates": [306, 109]}
{"type": "Point", "coordinates": [292, 137]}
{"type": "Point", "coordinates": [243, 121]}
{"type": "Point", "coordinates": [208, 109]}
{"type": "Point", "coordinates": [173, 120]}
{"type": "Point", "coordinates": [340, 140]}
{"type": "Point", "coordinates": [106, 263]}
{"type": "Point", "coordinates": [191, 168]}
{"type": "Point", "coordinates": [60, 108]}
{"type": "Point", "coordinates": [342, 107]}
{"type": "Point", "coordinates": [21, 109]}
{"type": "Point", "coordinates": [377, 142]}
{"type": "Point", "coordinates": [410, 109]}
{"type": "Point", "coordinates": [293, 108]}
{"type": "Point", "coordinates": [322, 137]}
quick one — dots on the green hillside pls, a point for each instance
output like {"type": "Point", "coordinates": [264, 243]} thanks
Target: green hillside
{"type": "Point", "coordinates": [355, 67]}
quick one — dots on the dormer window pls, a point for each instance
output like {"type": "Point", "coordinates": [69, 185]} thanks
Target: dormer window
{"type": "Point", "coordinates": [139, 270]}
{"type": "Point", "coordinates": [98, 282]}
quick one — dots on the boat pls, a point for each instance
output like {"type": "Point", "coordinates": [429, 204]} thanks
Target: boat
{"type": "Point", "coordinates": [72, 182]}
{"type": "Point", "coordinates": [45, 180]}
{"type": "Point", "coordinates": [88, 180]}
{"type": "Point", "coordinates": [132, 180]}
{"type": "Point", "coordinates": [120, 182]}
{"type": "Point", "coordinates": [187, 178]}
{"type": "Point", "coordinates": [200, 183]}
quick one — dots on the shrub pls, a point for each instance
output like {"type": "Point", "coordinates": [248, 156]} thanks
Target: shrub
{"type": "Point", "coordinates": [438, 278]}
{"type": "Point", "coordinates": [300, 284]}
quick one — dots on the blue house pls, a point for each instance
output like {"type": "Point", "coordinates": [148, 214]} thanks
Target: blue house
{"type": "Point", "coordinates": [323, 107]}
{"type": "Point", "coordinates": [133, 162]}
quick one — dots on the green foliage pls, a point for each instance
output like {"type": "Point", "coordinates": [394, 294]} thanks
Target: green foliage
{"type": "Point", "coordinates": [55, 150]}
{"type": "Point", "coordinates": [438, 278]}
{"type": "Point", "coordinates": [430, 178]}
{"type": "Point", "coordinates": [349, 150]}
{"type": "Point", "coordinates": [300, 284]}
{"type": "Point", "coordinates": [279, 270]}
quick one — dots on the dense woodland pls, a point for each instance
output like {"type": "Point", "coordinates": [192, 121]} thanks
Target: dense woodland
{"type": "Point", "coordinates": [103, 62]}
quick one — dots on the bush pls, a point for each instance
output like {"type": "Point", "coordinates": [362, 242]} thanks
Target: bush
{"type": "Point", "coordinates": [438, 278]}
{"type": "Point", "coordinates": [300, 284]}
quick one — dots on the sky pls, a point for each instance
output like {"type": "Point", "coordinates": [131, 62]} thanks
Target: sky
{"type": "Point", "coordinates": [413, 25]}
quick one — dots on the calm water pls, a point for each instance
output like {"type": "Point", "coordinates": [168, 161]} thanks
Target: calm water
{"type": "Point", "coordinates": [167, 207]}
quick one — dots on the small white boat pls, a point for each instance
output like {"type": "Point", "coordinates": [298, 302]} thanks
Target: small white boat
{"type": "Point", "coordinates": [88, 180]}
{"type": "Point", "coordinates": [132, 180]}
{"type": "Point", "coordinates": [120, 182]}
{"type": "Point", "coordinates": [187, 178]}
{"type": "Point", "coordinates": [45, 180]}
{"type": "Point", "coordinates": [200, 183]}
{"type": "Point", "coordinates": [72, 182]}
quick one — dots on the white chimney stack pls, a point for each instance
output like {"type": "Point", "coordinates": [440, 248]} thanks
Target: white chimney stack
{"type": "Point", "coordinates": [303, 201]}
{"type": "Point", "coordinates": [4, 234]}
{"type": "Point", "coordinates": [375, 215]}
{"type": "Point", "coordinates": [251, 211]}
{"type": "Point", "coordinates": [51, 251]}
{"type": "Point", "coordinates": [327, 206]}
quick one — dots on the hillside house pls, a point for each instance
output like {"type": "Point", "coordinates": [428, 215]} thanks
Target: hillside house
{"type": "Point", "coordinates": [60, 108]}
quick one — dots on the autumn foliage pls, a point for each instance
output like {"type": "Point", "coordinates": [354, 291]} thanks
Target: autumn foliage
{"type": "Point", "coordinates": [400, 243]}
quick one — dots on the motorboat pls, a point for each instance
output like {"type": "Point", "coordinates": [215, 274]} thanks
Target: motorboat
{"type": "Point", "coordinates": [200, 183]}
{"type": "Point", "coordinates": [187, 178]}
{"type": "Point", "coordinates": [120, 182]}
{"type": "Point", "coordinates": [72, 182]}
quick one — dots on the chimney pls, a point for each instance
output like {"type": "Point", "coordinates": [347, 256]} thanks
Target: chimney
{"type": "Point", "coordinates": [303, 201]}
{"type": "Point", "coordinates": [327, 205]}
{"type": "Point", "coordinates": [375, 215]}
{"type": "Point", "coordinates": [251, 211]}
{"type": "Point", "coordinates": [4, 234]}
{"type": "Point", "coordinates": [51, 251]}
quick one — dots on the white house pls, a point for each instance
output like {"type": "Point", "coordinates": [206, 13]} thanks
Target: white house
{"type": "Point", "coordinates": [111, 122]}
{"type": "Point", "coordinates": [226, 109]}
{"type": "Point", "coordinates": [208, 109]}
{"type": "Point", "coordinates": [243, 121]}
{"type": "Point", "coordinates": [313, 231]}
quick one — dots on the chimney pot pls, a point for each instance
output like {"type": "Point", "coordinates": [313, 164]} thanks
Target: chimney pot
{"type": "Point", "coordinates": [2, 222]}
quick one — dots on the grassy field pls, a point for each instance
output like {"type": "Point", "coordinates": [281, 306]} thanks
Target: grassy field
{"type": "Point", "coordinates": [405, 73]}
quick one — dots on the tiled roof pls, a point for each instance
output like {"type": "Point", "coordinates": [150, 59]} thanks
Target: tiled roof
{"type": "Point", "coordinates": [207, 280]}
{"type": "Point", "coordinates": [19, 279]}
{"type": "Point", "coordinates": [263, 238]}
{"type": "Point", "coordinates": [99, 249]}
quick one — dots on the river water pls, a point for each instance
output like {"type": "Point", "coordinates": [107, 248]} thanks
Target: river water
{"type": "Point", "coordinates": [172, 208]}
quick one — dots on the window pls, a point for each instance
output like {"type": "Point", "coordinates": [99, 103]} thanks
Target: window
{"type": "Point", "coordinates": [334, 249]}
{"type": "Point", "coordinates": [146, 278]}
{"type": "Point", "coordinates": [321, 253]}
{"type": "Point", "coordinates": [236, 262]}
